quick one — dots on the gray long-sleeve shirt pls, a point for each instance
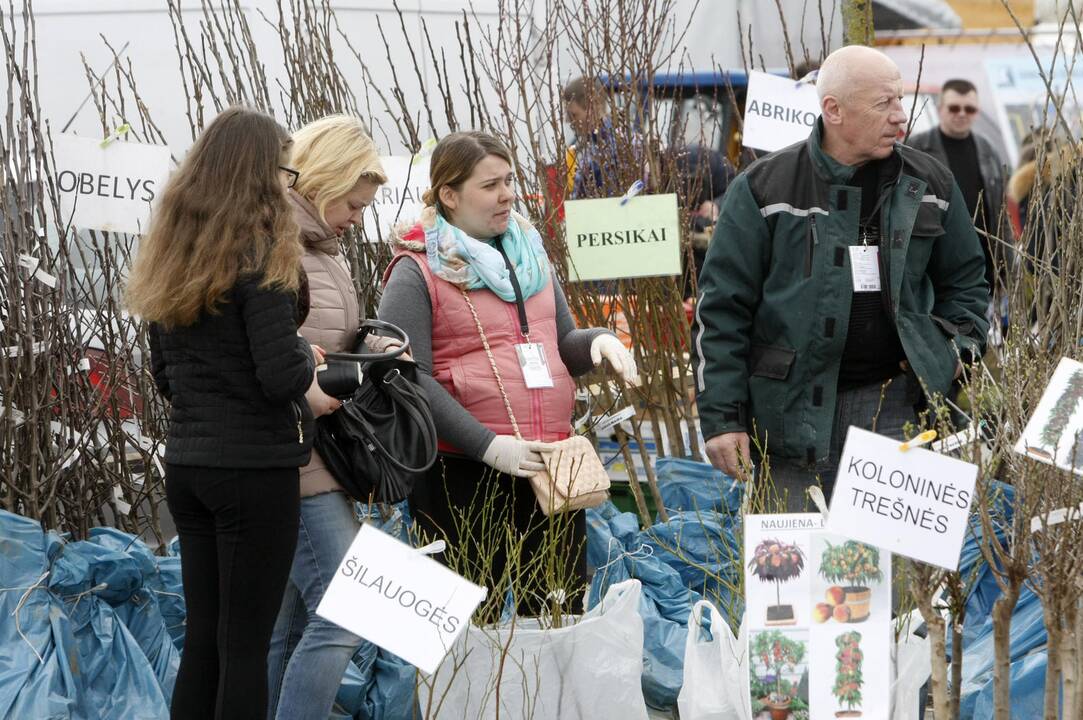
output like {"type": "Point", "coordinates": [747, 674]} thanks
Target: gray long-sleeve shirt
{"type": "Point", "coordinates": [406, 303]}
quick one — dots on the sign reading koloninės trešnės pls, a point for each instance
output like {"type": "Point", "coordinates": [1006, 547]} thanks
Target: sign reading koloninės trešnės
{"type": "Point", "coordinates": [914, 503]}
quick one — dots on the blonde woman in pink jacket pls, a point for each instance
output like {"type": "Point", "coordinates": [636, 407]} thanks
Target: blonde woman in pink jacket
{"type": "Point", "coordinates": [340, 173]}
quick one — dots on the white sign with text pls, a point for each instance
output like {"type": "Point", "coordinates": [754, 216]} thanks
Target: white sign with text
{"type": "Point", "coordinates": [818, 612]}
{"type": "Point", "coordinates": [399, 199]}
{"type": "Point", "coordinates": [778, 111]}
{"type": "Point", "coordinates": [108, 188]}
{"type": "Point", "coordinates": [914, 502]}
{"type": "Point", "coordinates": [390, 594]}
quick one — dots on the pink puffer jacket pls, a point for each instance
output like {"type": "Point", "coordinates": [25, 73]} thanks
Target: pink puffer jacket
{"type": "Point", "coordinates": [462, 366]}
{"type": "Point", "coordinates": [334, 314]}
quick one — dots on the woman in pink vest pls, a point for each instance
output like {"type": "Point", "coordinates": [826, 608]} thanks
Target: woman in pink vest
{"type": "Point", "coordinates": [472, 260]}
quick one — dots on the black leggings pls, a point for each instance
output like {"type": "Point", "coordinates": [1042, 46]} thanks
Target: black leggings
{"type": "Point", "coordinates": [459, 494]}
{"type": "Point", "coordinates": [237, 529]}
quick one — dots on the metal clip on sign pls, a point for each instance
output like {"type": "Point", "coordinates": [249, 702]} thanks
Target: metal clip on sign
{"type": "Point", "coordinates": [433, 548]}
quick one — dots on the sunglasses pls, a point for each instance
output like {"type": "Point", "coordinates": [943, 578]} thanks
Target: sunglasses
{"type": "Point", "coordinates": [968, 109]}
{"type": "Point", "coordinates": [292, 173]}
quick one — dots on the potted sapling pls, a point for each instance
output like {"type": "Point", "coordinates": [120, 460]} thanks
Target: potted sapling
{"type": "Point", "coordinates": [848, 680]}
{"type": "Point", "coordinates": [777, 562]}
{"type": "Point", "coordinates": [857, 565]}
{"type": "Point", "coordinates": [776, 653]}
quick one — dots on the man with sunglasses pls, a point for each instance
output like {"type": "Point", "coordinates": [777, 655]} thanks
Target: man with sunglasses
{"type": "Point", "coordinates": [977, 167]}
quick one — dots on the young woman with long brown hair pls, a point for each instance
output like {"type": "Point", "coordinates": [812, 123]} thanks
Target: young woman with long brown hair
{"type": "Point", "coordinates": [218, 279]}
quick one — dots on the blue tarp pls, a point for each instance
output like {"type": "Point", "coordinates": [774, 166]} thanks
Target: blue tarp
{"type": "Point", "coordinates": [102, 627]}
{"type": "Point", "coordinates": [677, 562]}
{"type": "Point", "coordinates": [1028, 634]}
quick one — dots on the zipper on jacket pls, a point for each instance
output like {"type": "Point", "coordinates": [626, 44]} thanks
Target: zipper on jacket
{"type": "Point", "coordinates": [885, 277]}
{"type": "Point", "coordinates": [300, 429]}
{"type": "Point", "coordinates": [811, 241]}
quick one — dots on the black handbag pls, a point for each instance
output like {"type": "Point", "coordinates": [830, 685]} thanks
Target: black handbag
{"type": "Point", "coordinates": [383, 437]}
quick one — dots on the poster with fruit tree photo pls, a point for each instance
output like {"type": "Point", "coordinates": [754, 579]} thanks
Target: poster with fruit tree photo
{"type": "Point", "coordinates": [818, 608]}
{"type": "Point", "coordinates": [850, 675]}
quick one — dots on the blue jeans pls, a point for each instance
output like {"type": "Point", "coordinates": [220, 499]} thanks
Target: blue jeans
{"type": "Point", "coordinates": [309, 654]}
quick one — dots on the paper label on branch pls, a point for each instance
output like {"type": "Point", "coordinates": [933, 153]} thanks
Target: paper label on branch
{"type": "Point", "coordinates": [865, 267]}
{"type": "Point", "coordinates": [605, 423]}
{"type": "Point", "coordinates": [405, 602]}
{"type": "Point", "coordinates": [818, 608]}
{"type": "Point", "coordinates": [399, 199]}
{"type": "Point", "coordinates": [1053, 434]}
{"type": "Point", "coordinates": [108, 188]}
{"type": "Point", "coordinates": [913, 503]}
{"type": "Point", "coordinates": [608, 240]}
{"type": "Point", "coordinates": [778, 111]}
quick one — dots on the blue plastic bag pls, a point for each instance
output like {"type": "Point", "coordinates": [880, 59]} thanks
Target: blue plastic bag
{"type": "Point", "coordinates": [118, 680]}
{"type": "Point", "coordinates": [36, 678]}
{"type": "Point", "coordinates": [618, 551]}
{"type": "Point", "coordinates": [141, 612]}
{"type": "Point", "coordinates": [695, 486]}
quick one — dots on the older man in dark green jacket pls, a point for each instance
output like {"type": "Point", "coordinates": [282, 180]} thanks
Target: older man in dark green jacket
{"type": "Point", "coordinates": [844, 280]}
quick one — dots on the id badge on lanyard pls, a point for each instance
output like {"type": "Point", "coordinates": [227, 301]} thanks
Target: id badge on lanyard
{"type": "Point", "coordinates": [865, 265]}
{"type": "Point", "coordinates": [532, 362]}
{"type": "Point", "coordinates": [534, 365]}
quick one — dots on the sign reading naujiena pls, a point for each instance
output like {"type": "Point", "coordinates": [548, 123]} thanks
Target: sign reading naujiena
{"type": "Point", "coordinates": [818, 613]}
{"type": "Point", "coordinates": [108, 188]}
{"type": "Point", "coordinates": [607, 240]}
{"type": "Point", "coordinates": [778, 111]}
{"type": "Point", "coordinates": [388, 593]}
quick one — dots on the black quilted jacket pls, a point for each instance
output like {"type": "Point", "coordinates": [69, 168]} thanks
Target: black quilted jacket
{"type": "Point", "coordinates": [237, 380]}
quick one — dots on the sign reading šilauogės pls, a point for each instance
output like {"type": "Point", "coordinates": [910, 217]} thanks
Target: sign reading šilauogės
{"type": "Point", "coordinates": [390, 594]}
{"type": "Point", "coordinates": [608, 240]}
{"type": "Point", "coordinates": [109, 188]}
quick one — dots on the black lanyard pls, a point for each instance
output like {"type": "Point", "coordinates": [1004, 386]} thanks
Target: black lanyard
{"type": "Point", "coordinates": [524, 326]}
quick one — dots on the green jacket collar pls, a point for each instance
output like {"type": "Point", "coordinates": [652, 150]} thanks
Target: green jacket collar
{"type": "Point", "coordinates": [828, 168]}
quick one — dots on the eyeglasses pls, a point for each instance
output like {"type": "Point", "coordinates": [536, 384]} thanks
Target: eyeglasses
{"type": "Point", "coordinates": [968, 109]}
{"type": "Point", "coordinates": [292, 173]}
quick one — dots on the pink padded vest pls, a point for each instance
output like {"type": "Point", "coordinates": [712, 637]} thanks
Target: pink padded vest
{"type": "Point", "coordinates": [462, 367]}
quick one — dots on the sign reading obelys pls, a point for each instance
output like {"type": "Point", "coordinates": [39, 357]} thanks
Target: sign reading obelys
{"type": "Point", "coordinates": [110, 186]}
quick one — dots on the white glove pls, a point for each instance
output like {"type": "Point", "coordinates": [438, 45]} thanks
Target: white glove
{"type": "Point", "coordinates": [513, 456]}
{"type": "Point", "coordinates": [609, 347]}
